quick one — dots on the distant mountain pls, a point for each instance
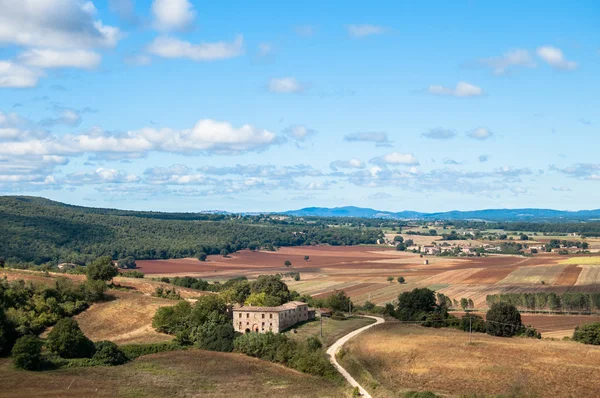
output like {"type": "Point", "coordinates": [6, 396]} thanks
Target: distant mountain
{"type": "Point", "coordinates": [486, 215]}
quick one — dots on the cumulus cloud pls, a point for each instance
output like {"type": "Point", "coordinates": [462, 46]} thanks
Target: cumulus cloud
{"type": "Point", "coordinates": [396, 158]}
{"type": "Point", "coordinates": [358, 31]}
{"type": "Point", "coordinates": [378, 137]}
{"type": "Point", "coordinates": [554, 57]}
{"type": "Point", "coordinates": [170, 47]}
{"type": "Point", "coordinates": [285, 85]}
{"type": "Point", "coordinates": [264, 171]}
{"type": "Point", "coordinates": [125, 9]}
{"type": "Point", "coordinates": [440, 133]}
{"type": "Point", "coordinates": [509, 60]}
{"type": "Point", "coordinates": [480, 133]}
{"type": "Point", "coordinates": [100, 176]}
{"type": "Point", "coordinates": [17, 76]}
{"type": "Point", "coordinates": [48, 58]}
{"type": "Point", "coordinates": [170, 15]}
{"type": "Point", "coordinates": [347, 164]}
{"type": "Point", "coordinates": [584, 171]}
{"type": "Point", "coordinates": [55, 24]}
{"type": "Point", "coordinates": [175, 175]}
{"type": "Point", "coordinates": [462, 90]}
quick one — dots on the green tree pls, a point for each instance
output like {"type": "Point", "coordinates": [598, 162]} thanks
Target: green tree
{"type": "Point", "coordinates": [415, 305]}
{"type": "Point", "coordinates": [390, 278]}
{"type": "Point", "coordinates": [503, 320]}
{"type": "Point", "coordinates": [27, 353]}
{"type": "Point", "coordinates": [288, 263]}
{"type": "Point", "coordinates": [101, 269]}
{"type": "Point", "coordinates": [224, 252]}
{"type": "Point", "coordinates": [215, 334]}
{"type": "Point", "coordinates": [464, 303]}
{"type": "Point", "coordinates": [109, 353]}
{"type": "Point", "coordinates": [172, 320]}
{"type": "Point", "coordinates": [401, 279]}
{"type": "Point", "coordinates": [306, 258]}
{"type": "Point", "coordinates": [68, 341]}
{"type": "Point", "coordinates": [272, 286]}
{"type": "Point", "coordinates": [338, 301]}
{"type": "Point", "coordinates": [201, 256]}
{"type": "Point", "coordinates": [127, 262]}
{"type": "Point", "coordinates": [588, 333]}
{"type": "Point", "coordinates": [398, 239]}
{"type": "Point", "coordinates": [585, 246]}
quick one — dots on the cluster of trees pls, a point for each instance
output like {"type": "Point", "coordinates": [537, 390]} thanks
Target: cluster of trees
{"type": "Point", "coordinates": [588, 228]}
{"type": "Point", "coordinates": [66, 341]}
{"type": "Point", "coordinates": [588, 333]}
{"type": "Point", "coordinates": [28, 308]}
{"type": "Point", "coordinates": [40, 231]}
{"type": "Point", "coordinates": [557, 244]}
{"type": "Point", "coordinates": [431, 310]}
{"type": "Point", "coordinates": [581, 302]}
{"type": "Point", "coordinates": [307, 356]}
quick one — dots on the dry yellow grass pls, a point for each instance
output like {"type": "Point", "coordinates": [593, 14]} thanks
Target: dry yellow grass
{"type": "Point", "coordinates": [391, 358]}
{"type": "Point", "coordinates": [590, 275]}
{"type": "Point", "coordinates": [126, 318]}
{"type": "Point", "coordinates": [192, 373]}
{"type": "Point", "coordinates": [581, 260]}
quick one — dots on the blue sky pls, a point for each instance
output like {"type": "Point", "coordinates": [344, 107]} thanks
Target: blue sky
{"type": "Point", "coordinates": [181, 105]}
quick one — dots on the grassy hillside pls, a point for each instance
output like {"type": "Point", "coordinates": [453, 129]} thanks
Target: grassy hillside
{"type": "Point", "coordinates": [39, 230]}
{"type": "Point", "coordinates": [190, 373]}
{"type": "Point", "coordinates": [391, 358]}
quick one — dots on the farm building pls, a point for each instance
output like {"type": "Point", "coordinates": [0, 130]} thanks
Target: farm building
{"type": "Point", "coordinates": [270, 319]}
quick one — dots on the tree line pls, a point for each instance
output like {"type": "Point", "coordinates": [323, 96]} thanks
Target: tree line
{"type": "Point", "coordinates": [581, 302]}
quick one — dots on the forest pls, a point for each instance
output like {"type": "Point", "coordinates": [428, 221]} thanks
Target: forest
{"type": "Point", "coordinates": [40, 231]}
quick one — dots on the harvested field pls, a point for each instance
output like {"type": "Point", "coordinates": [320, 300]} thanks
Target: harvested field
{"type": "Point", "coordinates": [396, 358]}
{"type": "Point", "coordinates": [590, 274]}
{"type": "Point", "coordinates": [191, 373]}
{"type": "Point", "coordinates": [125, 318]}
{"type": "Point", "coordinates": [362, 272]}
{"type": "Point", "coordinates": [536, 274]}
{"type": "Point", "coordinates": [582, 260]}
{"type": "Point", "coordinates": [569, 276]}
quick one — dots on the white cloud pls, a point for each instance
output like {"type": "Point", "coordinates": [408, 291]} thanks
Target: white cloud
{"type": "Point", "coordinates": [285, 85]}
{"type": "Point", "coordinates": [347, 164]}
{"type": "Point", "coordinates": [480, 133]}
{"type": "Point", "coordinates": [299, 132]}
{"type": "Point", "coordinates": [440, 133]}
{"type": "Point", "coordinates": [396, 158]}
{"type": "Point", "coordinates": [67, 117]}
{"type": "Point", "coordinates": [47, 58]}
{"type": "Point", "coordinates": [101, 176]}
{"type": "Point", "coordinates": [561, 189]}
{"type": "Point", "coordinates": [170, 47]}
{"type": "Point", "coordinates": [555, 58]}
{"type": "Point", "coordinates": [138, 60]}
{"type": "Point", "coordinates": [500, 65]}
{"type": "Point", "coordinates": [54, 23]}
{"type": "Point", "coordinates": [173, 14]}
{"type": "Point", "coordinates": [16, 76]}
{"type": "Point", "coordinates": [378, 137]}
{"type": "Point", "coordinates": [364, 30]}
{"type": "Point", "coordinates": [207, 136]}
{"type": "Point", "coordinates": [462, 89]}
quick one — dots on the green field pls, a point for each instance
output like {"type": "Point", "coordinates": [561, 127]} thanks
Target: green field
{"type": "Point", "coordinates": [332, 329]}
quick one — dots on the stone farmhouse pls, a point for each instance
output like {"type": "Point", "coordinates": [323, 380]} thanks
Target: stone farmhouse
{"type": "Point", "coordinates": [270, 319]}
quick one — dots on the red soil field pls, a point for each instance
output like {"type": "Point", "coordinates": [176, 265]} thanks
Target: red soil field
{"type": "Point", "coordinates": [569, 276]}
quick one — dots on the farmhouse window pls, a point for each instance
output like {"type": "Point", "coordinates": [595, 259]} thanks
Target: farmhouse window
{"type": "Point", "coordinates": [263, 315]}
{"type": "Point", "coordinates": [240, 314]}
{"type": "Point", "coordinates": [247, 315]}
{"type": "Point", "coordinates": [271, 316]}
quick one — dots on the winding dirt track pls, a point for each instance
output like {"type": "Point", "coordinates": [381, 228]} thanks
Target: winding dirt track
{"type": "Point", "coordinates": [335, 347]}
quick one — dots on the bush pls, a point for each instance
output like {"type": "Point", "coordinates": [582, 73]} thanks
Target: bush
{"type": "Point", "coordinates": [216, 334]}
{"type": "Point", "coordinates": [503, 320]}
{"type": "Point", "coordinates": [415, 305]}
{"type": "Point", "coordinates": [588, 333]}
{"type": "Point", "coordinates": [101, 269]}
{"type": "Point", "coordinates": [108, 353]}
{"type": "Point", "coordinates": [27, 353]}
{"type": "Point", "coordinates": [475, 322]}
{"type": "Point", "coordinates": [171, 320]}
{"type": "Point", "coordinates": [132, 274]}
{"type": "Point", "coordinates": [133, 351]}
{"type": "Point", "coordinates": [68, 341]}
{"type": "Point", "coordinates": [201, 256]}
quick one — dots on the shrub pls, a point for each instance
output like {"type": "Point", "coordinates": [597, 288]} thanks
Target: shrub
{"type": "Point", "coordinates": [503, 320]}
{"type": "Point", "coordinates": [288, 263]}
{"type": "Point", "coordinates": [133, 274]}
{"type": "Point", "coordinates": [27, 353]}
{"type": "Point", "coordinates": [108, 353]}
{"type": "Point", "coordinates": [588, 333]}
{"type": "Point", "coordinates": [133, 351]}
{"type": "Point", "coordinates": [415, 305]}
{"type": "Point", "coordinates": [472, 322]}
{"type": "Point", "coordinates": [401, 279]}
{"type": "Point", "coordinates": [201, 256]}
{"type": "Point", "coordinates": [173, 319]}
{"type": "Point", "coordinates": [215, 334]}
{"type": "Point", "coordinates": [68, 341]}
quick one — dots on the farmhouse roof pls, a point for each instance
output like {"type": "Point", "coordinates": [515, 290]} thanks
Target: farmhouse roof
{"type": "Point", "coordinates": [292, 305]}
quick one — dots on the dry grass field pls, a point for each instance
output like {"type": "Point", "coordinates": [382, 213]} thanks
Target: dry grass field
{"type": "Point", "coordinates": [332, 329]}
{"type": "Point", "coordinates": [125, 318]}
{"type": "Point", "coordinates": [392, 358]}
{"type": "Point", "coordinates": [192, 373]}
